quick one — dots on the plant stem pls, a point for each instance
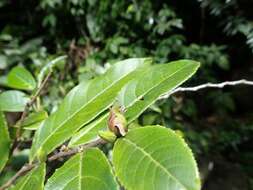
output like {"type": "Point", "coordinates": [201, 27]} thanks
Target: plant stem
{"type": "Point", "coordinates": [77, 150]}
{"type": "Point", "coordinates": [28, 167]}
{"type": "Point", "coordinates": [22, 171]}
{"type": "Point", "coordinates": [19, 123]}
{"type": "Point", "coordinates": [29, 104]}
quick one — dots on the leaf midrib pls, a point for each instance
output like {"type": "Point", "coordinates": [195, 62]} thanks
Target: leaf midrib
{"type": "Point", "coordinates": [154, 161]}
{"type": "Point", "coordinates": [164, 79]}
{"type": "Point", "coordinates": [158, 84]}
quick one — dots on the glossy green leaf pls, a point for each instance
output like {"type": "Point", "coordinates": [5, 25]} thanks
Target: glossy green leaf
{"type": "Point", "coordinates": [85, 171]}
{"type": "Point", "coordinates": [89, 132]}
{"type": "Point", "coordinates": [20, 78]}
{"type": "Point", "coordinates": [4, 141]}
{"type": "Point", "coordinates": [13, 101]}
{"type": "Point", "coordinates": [33, 121]}
{"type": "Point", "coordinates": [34, 180]}
{"type": "Point", "coordinates": [85, 102]}
{"type": "Point", "coordinates": [141, 93]}
{"type": "Point", "coordinates": [154, 157]}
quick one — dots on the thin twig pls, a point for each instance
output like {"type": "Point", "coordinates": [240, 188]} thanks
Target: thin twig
{"type": "Point", "coordinates": [29, 104]}
{"type": "Point", "coordinates": [76, 150]}
{"type": "Point", "coordinates": [28, 167]}
{"type": "Point", "coordinates": [26, 110]}
{"type": "Point", "coordinates": [20, 173]}
{"type": "Point", "coordinates": [38, 92]}
{"type": "Point", "coordinates": [208, 85]}
{"type": "Point", "coordinates": [49, 66]}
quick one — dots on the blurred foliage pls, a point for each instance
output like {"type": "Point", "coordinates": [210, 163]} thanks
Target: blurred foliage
{"type": "Point", "coordinates": [94, 34]}
{"type": "Point", "coordinates": [236, 14]}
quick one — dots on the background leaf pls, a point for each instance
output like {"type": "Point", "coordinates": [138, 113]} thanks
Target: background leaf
{"type": "Point", "coordinates": [33, 121]}
{"type": "Point", "coordinates": [141, 93]}
{"type": "Point", "coordinates": [20, 78]}
{"type": "Point", "coordinates": [85, 171]}
{"type": "Point", "coordinates": [33, 180]}
{"type": "Point", "coordinates": [49, 66]}
{"type": "Point", "coordinates": [3, 81]}
{"type": "Point", "coordinates": [84, 103]}
{"type": "Point", "coordinates": [4, 141]}
{"type": "Point", "coordinates": [13, 101]}
{"type": "Point", "coordinates": [142, 162]}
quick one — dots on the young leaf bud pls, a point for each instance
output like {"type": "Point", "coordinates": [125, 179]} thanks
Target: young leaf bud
{"type": "Point", "coordinates": [41, 156]}
{"type": "Point", "coordinates": [107, 136]}
{"type": "Point", "coordinates": [117, 122]}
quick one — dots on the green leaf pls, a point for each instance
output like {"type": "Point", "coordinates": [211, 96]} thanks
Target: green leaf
{"type": "Point", "coordinates": [85, 171]}
{"type": "Point", "coordinates": [85, 102]}
{"type": "Point", "coordinates": [3, 62]}
{"type": "Point", "coordinates": [20, 78]}
{"type": "Point", "coordinates": [48, 67]}
{"type": "Point", "coordinates": [13, 101]}
{"type": "Point", "coordinates": [3, 81]}
{"type": "Point", "coordinates": [4, 141]}
{"type": "Point", "coordinates": [154, 157]}
{"type": "Point", "coordinates": [141, 93]}
{"type": "Point", "coordinates": [33, 180]}
{"type": "Point", "coordinates": [33, 121]}
{"type": "Point", "coordinates": [89, 132]}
